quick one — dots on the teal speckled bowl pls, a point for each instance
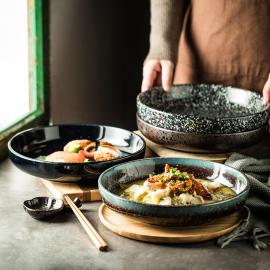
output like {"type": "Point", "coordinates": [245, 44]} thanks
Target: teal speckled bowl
{"type": "Point", "coordinates": [169, 215]}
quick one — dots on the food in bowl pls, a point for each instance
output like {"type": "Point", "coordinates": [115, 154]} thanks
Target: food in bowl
{"type": "Point", "coordinates": [83, 151]}
{"type": "Point", "coordinates": [173, 187]}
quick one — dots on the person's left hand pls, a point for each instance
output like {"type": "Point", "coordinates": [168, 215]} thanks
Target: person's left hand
{"type": "Point", "coordinates": [266, 95]}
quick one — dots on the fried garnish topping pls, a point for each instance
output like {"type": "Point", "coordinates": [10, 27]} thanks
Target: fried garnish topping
{"type": "Point", "coordinates": [187, 187]}
{"type": "Point", "coordinates": [200, 190]}
{"type": "Point", "coordinates": [157, 185]}
{"type": "Point", "coordinates": [177, 185]}
{"type": "Point", "coordinates": [172, 178]}
{"type": "Point", "coordinates": [167, 168]}
{"type": "Point", "coordinates": [175, 180]}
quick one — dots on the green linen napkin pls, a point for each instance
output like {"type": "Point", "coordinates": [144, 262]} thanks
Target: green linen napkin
{"type": "Point", "coordinates": [256, 224]}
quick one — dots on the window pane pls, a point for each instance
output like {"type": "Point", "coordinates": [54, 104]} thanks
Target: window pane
{"type": "Point", "coordinates": [14, 80]}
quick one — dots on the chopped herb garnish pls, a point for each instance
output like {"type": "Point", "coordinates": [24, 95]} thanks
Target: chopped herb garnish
{"type": "Point", "coordinates": [161, 181]}
{"type": "Point", "coordinates": [171, 182]}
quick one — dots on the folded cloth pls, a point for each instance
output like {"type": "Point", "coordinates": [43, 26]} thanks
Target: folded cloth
{"type": "Point", "coordinates": [256, 223]}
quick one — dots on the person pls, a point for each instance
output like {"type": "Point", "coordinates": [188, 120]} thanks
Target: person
{"type": "Point", "coordinates": [204, 41]}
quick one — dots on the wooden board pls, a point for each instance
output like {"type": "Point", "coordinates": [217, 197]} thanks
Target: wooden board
{"type": "Point", "coordinates": [162, 151]}
{"type": "Point", "coordinates": [86, 192]}
{"type": "Point", "coordinates": [131, 228]}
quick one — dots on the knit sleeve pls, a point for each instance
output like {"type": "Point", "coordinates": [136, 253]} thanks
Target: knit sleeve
{"type": "Point", "coordinates": [166, 24]}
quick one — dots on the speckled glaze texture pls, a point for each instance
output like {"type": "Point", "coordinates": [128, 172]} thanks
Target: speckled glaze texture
{"type": "Point", "coordinates": [201, 142]}
{"type": "Point", "coordinates": [28, 145]}
{"type": "Point", "coordinates": [43, 207]}
{"type": "Point", "coordinates": [203, 108]}
{"type": "Point", "coordinates": [165, 215]}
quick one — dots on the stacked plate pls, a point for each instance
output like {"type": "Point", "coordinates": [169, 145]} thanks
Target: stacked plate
{"type": "Point", "coordinates": [202, 118]}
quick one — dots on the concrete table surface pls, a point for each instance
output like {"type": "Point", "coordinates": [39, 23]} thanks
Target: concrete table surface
{"type": "Point", "coordinates": [62, 243]}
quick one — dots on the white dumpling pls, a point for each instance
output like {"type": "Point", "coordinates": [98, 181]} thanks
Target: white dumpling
{"type": "Point", "coordinates": [200, 198]}
{"type": "Point", "coordinates": [140, 191]}
{"type": "Point", "coordinates": [185, 198]}
{"type": "Point", "coordinates": [210, 185]}
{"type": "Point", "coordinates": [188, 198]}
{"type": "Point", "coordinates": [145, 183]}
{"type": "Point", "coordinates": [166, 201]}
{"type": "Point", "coordinates": [158, 194]}
{"type": "Point", "coordinates": [195, 200]}
{"type": "Point", "coordinates": [205, 184]}
{"type": "Point", "coordinates": [214, 184]}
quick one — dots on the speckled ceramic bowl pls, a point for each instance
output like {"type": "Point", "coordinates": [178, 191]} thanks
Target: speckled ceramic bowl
{"type": "Point", "coordinates": [168, 215]}
{"type": "Point", "coordinates": [25, 147]}
{"type": "Point", "coordinates": [43, 207]}
{"type": "Point", "coordinates": [203, 108]}
{"type": "Point", "coordinates": [201, 142]}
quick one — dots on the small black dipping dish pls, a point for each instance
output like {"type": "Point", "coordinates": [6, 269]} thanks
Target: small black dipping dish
{"type": "Point", "coordinates": [43, 207]}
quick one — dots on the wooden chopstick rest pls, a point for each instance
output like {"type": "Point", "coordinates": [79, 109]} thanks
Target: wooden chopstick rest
{"type": "Point", "coordinates": [93, 234]}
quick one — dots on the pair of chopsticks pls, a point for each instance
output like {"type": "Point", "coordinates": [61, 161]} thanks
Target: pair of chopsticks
{"type": "Point", "coordinates": [96, 238]}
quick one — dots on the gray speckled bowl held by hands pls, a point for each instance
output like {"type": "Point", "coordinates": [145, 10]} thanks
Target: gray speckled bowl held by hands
{"type": "Point", "coordinates": [203, 108]}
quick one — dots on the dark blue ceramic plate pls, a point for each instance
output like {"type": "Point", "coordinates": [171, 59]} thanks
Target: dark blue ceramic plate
{"type": "Point", "coordinates": [28, 145]}
{"type": "Point", "coordinates": [173, 215]}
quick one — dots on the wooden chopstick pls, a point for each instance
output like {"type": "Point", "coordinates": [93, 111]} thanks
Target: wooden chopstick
{"type": "Point", "coordinates": [94, 235]}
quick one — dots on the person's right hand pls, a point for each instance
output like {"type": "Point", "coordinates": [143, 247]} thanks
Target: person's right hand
{"type": "Point", "coordinates": [157, 73]}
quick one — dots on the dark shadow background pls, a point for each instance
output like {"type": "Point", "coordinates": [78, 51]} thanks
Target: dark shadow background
{"type": "Point", "coordinates": [97, 52]}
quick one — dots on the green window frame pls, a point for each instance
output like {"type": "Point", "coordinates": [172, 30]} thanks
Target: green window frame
{"type": "Point", "coordinates": [38, 46]}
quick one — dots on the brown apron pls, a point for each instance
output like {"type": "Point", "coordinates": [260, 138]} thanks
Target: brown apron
{"type": "Point", "coordinates": [225, 42]}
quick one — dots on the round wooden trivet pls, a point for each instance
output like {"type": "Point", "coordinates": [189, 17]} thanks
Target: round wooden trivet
{"type": "Point", "coordinates": [131, 228]}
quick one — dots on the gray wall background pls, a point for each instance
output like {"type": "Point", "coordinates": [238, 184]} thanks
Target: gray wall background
{"type": "Point", "coordinates": [97, 52]}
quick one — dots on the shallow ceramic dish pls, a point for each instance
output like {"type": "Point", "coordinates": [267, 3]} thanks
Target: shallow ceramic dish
{"type": "Point", "coordinates": [203, 108]}
{"type": "Point", "coordinates": [28, 145]}
{"type": "Point", "coordinates": [201, 142]}
{"type": "Point", "coordinates": [173, 215]}
{"type": "Point", "coordinates": [43, 207]}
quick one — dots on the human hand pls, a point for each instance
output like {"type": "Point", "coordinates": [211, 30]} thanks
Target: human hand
{"type": "Point", "coordinates": [266, 94]}
{"type": "Point", "coordinates": [157, 73]}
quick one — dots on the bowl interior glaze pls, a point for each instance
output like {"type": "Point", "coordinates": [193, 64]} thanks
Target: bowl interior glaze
{"type": "Point", "coordinates": [27, 146]}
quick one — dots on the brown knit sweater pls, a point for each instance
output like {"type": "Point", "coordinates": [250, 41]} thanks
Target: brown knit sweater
{"type": "Point", "coordinates": [221, 41]}
{"type": "Point", "coordinates": [166, 24]}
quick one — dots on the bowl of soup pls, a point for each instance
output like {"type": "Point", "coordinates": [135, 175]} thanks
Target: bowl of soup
{"type": "Point", "coordinates": [173, 191]}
